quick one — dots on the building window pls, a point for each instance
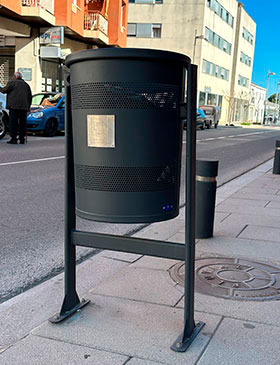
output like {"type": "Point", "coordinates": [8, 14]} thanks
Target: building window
{"type": "Point", "coordinates": [144, 30]}
{"type": "Point", "coordinates": [215, 70]}
{"type": "Point", "coordinates": [146, 1]}
{"type": "Point", "coordinates": [247, 35]}
{"type": "Point", "coordinates": [202, 98]}
{"type": "Point", "coordinates": [220, 11]}
{"type": "Point", "coordinates": [245, 59]}
{"type": "Point", "coordinates": [243, 81]}
{"type": "Point", "coordinates": [217, 41]}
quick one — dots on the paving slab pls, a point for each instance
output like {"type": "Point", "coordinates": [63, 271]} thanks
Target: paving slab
{"type": "Point", "coordinates": [19, 315]}
{"type": "Point", "coordinates": [261, 233]}
{"type": "Point", "coordinates": [131, 328]}
{"type": "Point", "coordinates": [135, 361]}
{"type": "Point", "coordinates": [246, 195]}
{"type": "Point", "coordinates": [250, 210]}
{"type": "Point", "coordinates": [38, 350]}
{"type": "Point", "coordinates": [155, 263]}
{"type": "Point", "coordinates": [238, 342]}
{"type": "Point", "coordinates": [243, 203]}
{"type": "Point", "coordinates": [240, 247]}
{"type": "Point", "coordinates": [142, 284]}
{"type": "Point", "coordinates": [265, 312]}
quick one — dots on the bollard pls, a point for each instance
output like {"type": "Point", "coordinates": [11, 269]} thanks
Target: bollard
{"type": "Point", "coordinates": [206, 172]}
{"type": "Point", "coordinates": [276, 164]}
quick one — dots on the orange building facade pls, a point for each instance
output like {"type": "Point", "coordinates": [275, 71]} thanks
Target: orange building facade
{"type": "Point", "coordinates": [37, 35]}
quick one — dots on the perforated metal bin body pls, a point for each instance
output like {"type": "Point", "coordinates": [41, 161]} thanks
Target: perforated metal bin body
{"type": "Point", "coordinates": [127, 133]}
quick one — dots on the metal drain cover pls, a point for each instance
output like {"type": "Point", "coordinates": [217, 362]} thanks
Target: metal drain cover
{"type": "Point", "coordinates": [232, 278]}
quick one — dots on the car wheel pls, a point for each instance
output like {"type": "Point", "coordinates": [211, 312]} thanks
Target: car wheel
{"type": "Point", "coordinates": [203, 126]}
{"type": "Point", "coordinates": [216, 125]}
{"type": "Point", "coordinates": [51, 128]}
{"type": "Point", "coordinates": [3, 127]}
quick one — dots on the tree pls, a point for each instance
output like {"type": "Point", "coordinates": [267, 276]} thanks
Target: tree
{"type": "Point", "coordinates": [272, 98]}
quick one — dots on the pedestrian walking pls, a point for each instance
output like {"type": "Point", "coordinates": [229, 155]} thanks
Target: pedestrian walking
{"type": "Point", "coordinates": [19, 98]}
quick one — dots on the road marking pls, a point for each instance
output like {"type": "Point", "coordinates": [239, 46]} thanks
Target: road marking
{"type": "Point", "coordinates": [28, 161]}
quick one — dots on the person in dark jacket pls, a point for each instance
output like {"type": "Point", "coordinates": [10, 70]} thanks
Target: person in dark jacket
{"type": "Point", "coordinates": [19, 98]}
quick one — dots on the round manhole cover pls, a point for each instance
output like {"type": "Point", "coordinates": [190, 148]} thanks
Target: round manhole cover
{"type": "Point", "coordinates": [232, 278]}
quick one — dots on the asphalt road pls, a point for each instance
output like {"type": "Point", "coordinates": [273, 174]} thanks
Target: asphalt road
{"type": "Point", "coordinates": [31, 188]}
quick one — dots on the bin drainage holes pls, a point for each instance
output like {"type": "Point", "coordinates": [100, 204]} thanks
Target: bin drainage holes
{"type": "Point", "coordinates": [232, 278]}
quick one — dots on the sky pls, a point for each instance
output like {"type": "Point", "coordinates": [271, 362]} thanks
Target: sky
{"type": "Point", "coordinates": [267, 46]}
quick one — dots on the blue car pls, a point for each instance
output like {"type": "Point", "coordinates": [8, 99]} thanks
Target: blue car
{"type": "Point", "coordinates": [200, 119]}
{"type": "Point", "coordinates": [46, 113]}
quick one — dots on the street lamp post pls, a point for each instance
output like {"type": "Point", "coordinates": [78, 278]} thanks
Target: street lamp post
{"type": "Point", "coordinates": [266, 101]}
{"type": "Point", "coordinates": [194, 42]}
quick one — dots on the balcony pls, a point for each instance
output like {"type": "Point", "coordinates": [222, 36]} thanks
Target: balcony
{"type": "Point", "coordinates": [43, 9]}
{"type": "Point", "coordinates": [96, 26]}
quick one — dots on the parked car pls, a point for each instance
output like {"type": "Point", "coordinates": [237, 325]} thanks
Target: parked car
{"type": "Point", "coordinates": [46, 113]}
{"type": "Point", "coordinates": [200, 120]}
{"type": "Point", "coordinates": [4, 116]}
{"type": "Point", "coordinates": [213, 114]}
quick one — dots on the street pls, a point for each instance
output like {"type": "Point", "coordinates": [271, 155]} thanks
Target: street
{"type": "Point", "coordinates": [31, 187]}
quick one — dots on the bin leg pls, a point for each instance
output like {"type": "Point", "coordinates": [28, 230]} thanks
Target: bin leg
{"type": "Point", "coordinates": [191, 329]}
{"type": "Point", "coordinates": [71, 302]}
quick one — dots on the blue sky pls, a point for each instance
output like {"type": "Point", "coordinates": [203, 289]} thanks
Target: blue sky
{"type": "Point", "coordinates": [267, 47]}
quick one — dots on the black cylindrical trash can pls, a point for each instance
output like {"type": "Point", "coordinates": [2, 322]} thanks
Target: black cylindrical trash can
{"type": "Point", "coordinates": [127, 133]}
{"type": "Point", "coordinates": [206, 172]}
{"type": "Point", "coordinates": [276, 163]}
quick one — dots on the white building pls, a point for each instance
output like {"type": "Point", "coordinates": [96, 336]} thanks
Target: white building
{"type": "Point", "coordinates": [256, 104]}
{"type": "Point", "coordinates": [219, 36]}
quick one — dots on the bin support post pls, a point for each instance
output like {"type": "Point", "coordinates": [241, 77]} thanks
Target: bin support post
{"type": "Point", "coordinates": [191, 329]}
{"type": "Point", "coordinates": [71, 302]}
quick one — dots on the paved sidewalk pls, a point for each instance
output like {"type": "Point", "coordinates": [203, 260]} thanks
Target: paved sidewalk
{"type": "Point", "coordinates": [136, 309]}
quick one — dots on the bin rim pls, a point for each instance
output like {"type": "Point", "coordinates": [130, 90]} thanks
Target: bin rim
{"type": "Point", "coordinates": [126, 53]}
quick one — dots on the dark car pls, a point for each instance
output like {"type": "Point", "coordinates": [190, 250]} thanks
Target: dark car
{"type": "Point", "coordinates": [213, 113]}
{"type": "Point", "coordinates": [200, 120]}
{"type": "Point", "coordinates": [46, 113]}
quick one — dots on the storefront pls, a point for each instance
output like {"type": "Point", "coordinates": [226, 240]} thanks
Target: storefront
{"type": "Point", "coordinates": [7, 64]}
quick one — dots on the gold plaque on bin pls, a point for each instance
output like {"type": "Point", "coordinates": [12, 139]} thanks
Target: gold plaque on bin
{"type": "Point", "coordinates": [101, 131]}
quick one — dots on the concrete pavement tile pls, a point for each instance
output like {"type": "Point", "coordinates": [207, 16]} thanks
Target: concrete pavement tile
{"type": "Point", "coordinates": [178, 237]}
{"type": "Point", "coordinates": [224, 207]}
{"type": "Point", "coordinates": [265, 312]}
{"type": "Point", "coordinates": [122, 256]}
{"type": "Point", "coordinates": [243, 202]}
{"type": "Point", "coordinates": [239, 342]}
{"type": "Point", "coordinates": [261, 233]}
{"type": "Point", "coordinates": [247, 195]}
{"type": "Point", "coordinates": [240, 220]}
{"type": "Point", "coordinates": [135, 361]}
{"type": "Point", "coordinates": [19, 315]}
{"type": "Point", "coordinates": [255, 191]}
{"type": "Point", "coordinates": [239, 247]}
{"type": "Point", "coordinates": [274, 204]}
{"type": "Point", "coordinates": [36, 350]}
{"type": "Point", "coordinates": [147, 285]}
{"type": "Point", "coordinates": [155, 263]}
{"type": "Point", "coordinates": [131, 328]}
{"type": "Point", "coordinates": [162, 230]}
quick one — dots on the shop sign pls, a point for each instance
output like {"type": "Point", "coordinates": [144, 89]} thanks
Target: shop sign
{"type": "Point", "coordinates": [207, 89]}
{"type": "Point", "coordinates": [54, 35]}
{"type": "Point", "coordinates": [26, 73]}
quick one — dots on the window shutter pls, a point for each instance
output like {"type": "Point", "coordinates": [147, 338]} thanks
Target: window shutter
{"type": "Point", "coordinates": [144, 30]}
{"type": "Point", "coordinates": [131, 29]}
{"type": "Point", "coordinates": [144, 1]}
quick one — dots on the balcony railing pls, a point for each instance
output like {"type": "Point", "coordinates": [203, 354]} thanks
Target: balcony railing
{"type": "Point", "coordinates": [94, 20]}
{"type": "Point", "coordinates": [47, 5]}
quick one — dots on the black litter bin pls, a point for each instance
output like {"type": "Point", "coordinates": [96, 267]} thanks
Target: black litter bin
{"type": "Point", "coordinates": [127, 133]}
